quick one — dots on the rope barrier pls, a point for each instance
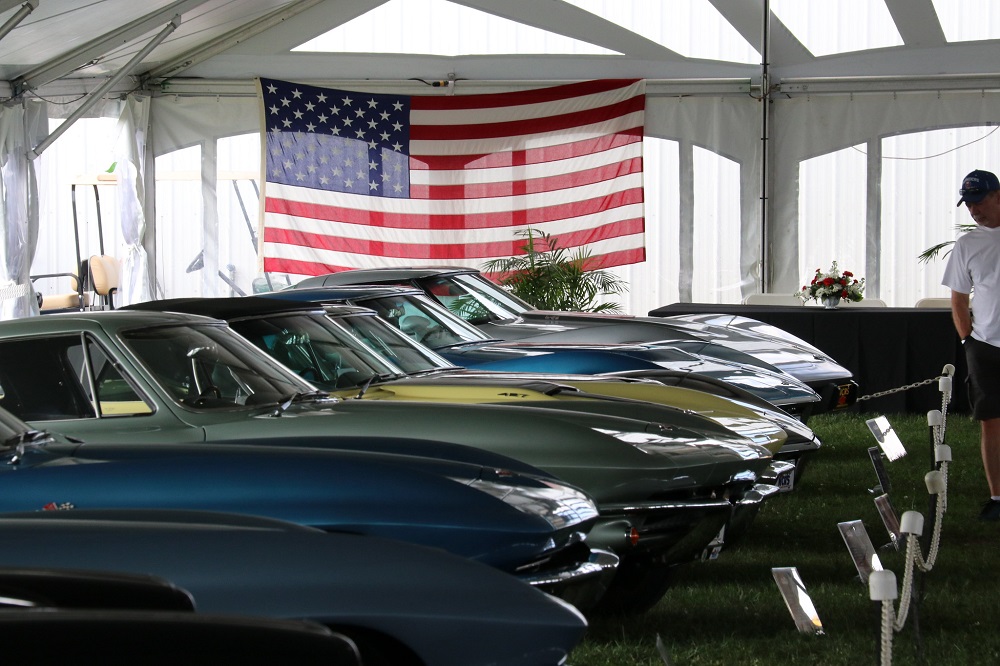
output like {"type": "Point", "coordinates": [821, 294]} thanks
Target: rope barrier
{"type": "Point", "coordinates": [882, 584]}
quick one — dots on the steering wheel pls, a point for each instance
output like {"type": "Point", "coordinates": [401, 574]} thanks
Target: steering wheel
{"type": "Point", "coordinates": [208, 392]}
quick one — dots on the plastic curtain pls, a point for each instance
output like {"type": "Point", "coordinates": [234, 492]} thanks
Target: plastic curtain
{"type": "Point", "coordinates": [130, 153]}
{"type": "Point", "coordinates": [18, 126]}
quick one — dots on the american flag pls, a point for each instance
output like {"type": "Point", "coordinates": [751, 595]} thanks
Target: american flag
{"type": "Point", "coordinates": [365, 180]}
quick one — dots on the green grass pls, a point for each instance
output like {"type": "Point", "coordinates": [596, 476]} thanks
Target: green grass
{"type": "Point", "coordinates": [730, 611]}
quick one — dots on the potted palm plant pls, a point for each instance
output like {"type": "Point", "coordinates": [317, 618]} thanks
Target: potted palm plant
{"type": "Point", "coordinates": [551, 278]}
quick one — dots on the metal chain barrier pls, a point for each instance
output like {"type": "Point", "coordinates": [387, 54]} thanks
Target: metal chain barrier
{"type": "Point", "coordinates": [882, 584]}
{"type": "Point", "coordinates": [907, 387]}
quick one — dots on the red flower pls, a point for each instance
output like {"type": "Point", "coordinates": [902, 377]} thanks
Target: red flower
{"type": "Point", "coordinates": [828, 281]}
{"type": "Point", "coordinates": [848, 274]}
{"type": "Point", "coordinates": [843, 294]}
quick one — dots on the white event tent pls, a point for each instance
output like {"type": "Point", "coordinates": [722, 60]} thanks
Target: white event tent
{"type": "Point", "coordinates": [780, 135]}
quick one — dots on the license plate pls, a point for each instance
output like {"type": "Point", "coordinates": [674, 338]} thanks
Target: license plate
{"type": "Point", "coordinates": [847, 395]}
{"type": "Point", "coordinates": [785, 481]}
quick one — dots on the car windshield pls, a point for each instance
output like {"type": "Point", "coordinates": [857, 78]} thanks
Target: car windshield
{"type": "Point", "coordinates": [391, 344]}
{"type": "Point", "coordinates": [425, 320]}
{"type": "Point", "coordinates": [474, 298]}
{"type": "Point", "coordinates": [315, 348]}
{"type": "Point", "coordinates": [210, 367]}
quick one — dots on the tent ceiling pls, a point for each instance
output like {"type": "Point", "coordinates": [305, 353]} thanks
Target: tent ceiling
{"type": "Point", "coordinates": [71, 45]}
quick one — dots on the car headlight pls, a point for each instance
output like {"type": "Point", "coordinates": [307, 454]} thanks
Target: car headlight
{"type": "Point", "coordinates": [560, 505]}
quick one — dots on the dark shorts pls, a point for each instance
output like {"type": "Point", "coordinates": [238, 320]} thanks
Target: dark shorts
{"type": "Point", "coordinates": [983, 360]}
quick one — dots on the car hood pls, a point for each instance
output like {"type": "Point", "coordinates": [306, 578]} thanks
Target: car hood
{"type": "Point", "coordinates": [400, 590]}
{"type": "Point", "coordinates": [798, 359]}
{"type": "Point", "coordinates": [645, 400]}
{"type": "Point", "coordinates": [770, 384]}
{"type": "Point", "coordinates": [610, 458]}
{"type": "Point", "coordinates": [410, 498]}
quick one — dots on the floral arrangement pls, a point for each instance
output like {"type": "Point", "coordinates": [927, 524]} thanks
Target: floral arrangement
{"type": "Point", "coordinates": [833, 284]}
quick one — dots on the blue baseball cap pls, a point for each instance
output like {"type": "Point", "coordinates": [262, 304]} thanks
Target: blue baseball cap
{"type": "Point", "coordinates": [977, 185]}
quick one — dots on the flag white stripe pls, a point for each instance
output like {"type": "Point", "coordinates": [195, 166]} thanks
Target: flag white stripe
{"type": "Point", "coordinates": [525, 172]}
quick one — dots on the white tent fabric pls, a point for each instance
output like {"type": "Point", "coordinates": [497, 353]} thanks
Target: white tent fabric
{"type": "Point", "coordinates": [856, 159]}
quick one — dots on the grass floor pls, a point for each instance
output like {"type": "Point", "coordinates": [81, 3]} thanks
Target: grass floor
{"type": "Point", "coordinates": [729, 611]}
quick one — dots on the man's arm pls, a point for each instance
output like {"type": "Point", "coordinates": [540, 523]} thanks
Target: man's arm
{"type": "Point", "coordinates": [961, 314]}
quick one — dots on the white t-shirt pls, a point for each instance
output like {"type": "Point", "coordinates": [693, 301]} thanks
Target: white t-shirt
{"type": "Point", "coordinates": [974, 262]}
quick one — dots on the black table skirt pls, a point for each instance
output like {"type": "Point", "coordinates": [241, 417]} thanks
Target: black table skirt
{"type": "Point", "coordinates": [885, 348]}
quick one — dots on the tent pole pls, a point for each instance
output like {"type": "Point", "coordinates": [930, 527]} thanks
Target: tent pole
{"type": "Point", "coordinates": [96, 96]}
{"type": "Point", "coordinates": [765, 96]}
{"type": "Point", "coordinates": [21, 14]}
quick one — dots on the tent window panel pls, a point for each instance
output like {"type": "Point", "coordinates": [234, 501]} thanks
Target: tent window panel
{"type": "Point", "coordinates": [921, 172]}
{"type": "Point", "coordinates": [179, 236]}
{"type": "Point", "coordinates": [717, 277]}
{"type": "Point", "coordinates": [81, 156]}
{"type": "Point", "coordinates": [238, 203]}
{"type": "Point", "coordinates": [832, 212]}
{"type": "Point", "coordinates": [655, 282]}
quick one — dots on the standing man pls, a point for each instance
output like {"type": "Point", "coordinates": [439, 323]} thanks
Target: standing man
{"type": "Point", "coordinates": [974, 263]}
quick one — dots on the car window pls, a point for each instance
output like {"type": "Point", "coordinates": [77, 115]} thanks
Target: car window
{"type": "Point", "coordinates": [42, 382]}
{"type": "Point", "coordinates": [115, 395]}
{"type": "Point", "coordinates": [389, 343]}
{"type": "Point", "coordinates": [468, 299]}
{"type": "Point", "coordinates": [315, 349]}
{"type": "Point", "coordinates": [210, 367]}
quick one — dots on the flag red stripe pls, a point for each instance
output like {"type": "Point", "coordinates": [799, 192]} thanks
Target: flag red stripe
{"type": "Point", "coordinates": [531, 156]}
{"type": "Point", "coordinates": [526, 126]}
{"type": "Point", "coordinates": [448, 251]}
{"type": "Point", "coordinates": [496, 100]}
{"type": "Point", "coordinates": [441, 222]}
{"type": "Point", "coordinates": [529, 186]}
{"type": "Point", "coordinates": [298, 267]}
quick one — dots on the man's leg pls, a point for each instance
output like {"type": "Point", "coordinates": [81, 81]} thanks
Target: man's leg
{"type": "Point", "coordinates": [990, 446]}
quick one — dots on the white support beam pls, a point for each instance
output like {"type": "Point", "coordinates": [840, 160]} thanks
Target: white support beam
{"type": "Point", "coordinates": [917, 22]}
{"type": "Point", "coordinates": [98, 94]}
{"type": "Point", "coordinates": [67, 62]}
{"type": "Point", "coordinates": [230, 39]}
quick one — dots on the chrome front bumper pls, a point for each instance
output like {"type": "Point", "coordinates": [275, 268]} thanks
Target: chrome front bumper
{"type": "Point", "coordinates": [582, 584]}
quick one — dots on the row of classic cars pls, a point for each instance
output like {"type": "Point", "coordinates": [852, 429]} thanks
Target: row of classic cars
{"type": "Point", "coordinates": [503, 316]}
{"type": "Point", "coordinates": [590, 487]}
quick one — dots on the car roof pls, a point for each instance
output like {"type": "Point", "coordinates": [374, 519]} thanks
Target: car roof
{"type": "Point", "coordinates": [343, 292]}
{"type": "Point", "coordinates": [357, 275]}
{"type": "Point", "coordinates": [107, 320]}
{"type": "Point", "coordinates": [241, 306]}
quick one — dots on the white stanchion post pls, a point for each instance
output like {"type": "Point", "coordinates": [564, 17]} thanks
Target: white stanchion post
{"type": "Point", "coordinates": [882, 588]}
{"type": "Point", "coordinates": [912, 522]}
